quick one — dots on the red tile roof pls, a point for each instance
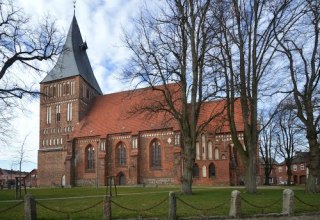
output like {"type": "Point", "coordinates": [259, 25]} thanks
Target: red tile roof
{"type": "Point", "coordinates": [117, 113]}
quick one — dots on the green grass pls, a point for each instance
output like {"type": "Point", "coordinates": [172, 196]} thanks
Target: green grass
{"type": "Point", "coordinates": [204, 202]}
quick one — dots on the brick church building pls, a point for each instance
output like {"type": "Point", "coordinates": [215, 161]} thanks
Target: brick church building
{"type": "Point", "coordinates": [86, 136]}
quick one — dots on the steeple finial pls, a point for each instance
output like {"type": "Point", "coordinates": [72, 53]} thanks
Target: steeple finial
{"type": "Point", "coordinates": [74, 7]}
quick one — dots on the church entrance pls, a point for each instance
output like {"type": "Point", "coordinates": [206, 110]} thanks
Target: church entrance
{"type": "Point", "coordinates": [121, 179]}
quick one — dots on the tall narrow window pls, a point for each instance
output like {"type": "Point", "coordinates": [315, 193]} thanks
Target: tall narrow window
{"type": "Point", "coordinates": [134, 142]}
{"type": "Point", "coordinates": [90, 157]}
{"type": "Point", "coordinates": [58, 115]}
{"type": "Point", "coordinates": [195, 170]}
{"type": "Point", "coordinates": [155, 154]}
{"type": "Point", "coordinates": [122, 154]}
{"type": "Point", "coordinates": [197, 151]}
{"type": "Point", "coordinates": [216, 153]}
{"type": "Point", "coordinates": [49, 115]}
{"type": "Point", "coordinates": [69, 111]}
{"type": "Point", "coordinates": [209, 150]}
{"type": "Point", "coordinates": [203, 143]}
{"type": "Point", "coordinates": [212, 170]}
{"type": "Point", "coordinates": [204, 171]}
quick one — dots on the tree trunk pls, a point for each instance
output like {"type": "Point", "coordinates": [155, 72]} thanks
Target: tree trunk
{"type": "Point", "coordinates": [266, 180]}
{"type": "Point", "coordinates": [250, 176]}
{"type": "Point", "coordinates": [313, 181]}
{"type": "Point", "coordinates": [188, 156]}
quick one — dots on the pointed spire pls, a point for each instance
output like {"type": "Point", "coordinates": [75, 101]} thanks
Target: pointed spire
{"type": "Point", "coordinates": [73, 61]}
{"type": "Point", "coordinates": [74, 7]}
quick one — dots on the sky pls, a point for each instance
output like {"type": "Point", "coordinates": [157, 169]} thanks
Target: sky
{"type": "Point", "coordinates": [101, 24]}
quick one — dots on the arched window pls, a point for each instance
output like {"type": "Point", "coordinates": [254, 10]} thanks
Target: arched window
{"type": "Point", "coordinates": [204, 171]}
{"type": "Point", "coordinates": [216, 153]}
{"type": "Point", "coordinates": [155, 154]}
{"type": "Point", "coordinates": [212, 170]}
{"type": "Point", "coordinates": [203, 144]}
{"type": "Point", "coordinates": [122, 154]}
{"type": "Point", "coordinates": [197, 151]}
{"type": "Point", "coordinates": [195, 170]}
{"type": "Point", "coordinates": [90, 157]}
{"type": "Point", "coordinates": [209, 150]}
{"type": "Point", "coordinates": [223, 157]}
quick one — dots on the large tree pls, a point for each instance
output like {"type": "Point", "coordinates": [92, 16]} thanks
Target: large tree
{"type": "Point", "coordinates": [268, 146]}
{"type": "Point", "coordinates": [171, 43]}
{"type": "Point", "coordinates": [245, 51]}
{"type": "Point", "coordinates": [297, 31]}
{"type": "Point", "coordinates": [22, 43]}
{"type": "Point", "coordinates": [289, 135]}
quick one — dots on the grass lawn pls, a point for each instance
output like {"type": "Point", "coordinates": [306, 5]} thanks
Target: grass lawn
{"type": "Point", "coordinates": [138, 201]}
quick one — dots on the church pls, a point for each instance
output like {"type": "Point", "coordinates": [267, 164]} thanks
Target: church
{"type": "Point", "coordinates": [87, 137]}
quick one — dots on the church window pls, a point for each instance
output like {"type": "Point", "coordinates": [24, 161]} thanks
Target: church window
{"type": "Point", "coordinates": [68, 88]}
{"type": "Point", "coordinates": [122, 154]}
{"type": "Point", "coordinates": [58, 113]}
{"type": "Point", "coordinates": [61, 141]}
{"type": "Point", "coordinates": [46, 92]}
{"type": "Point", "coordinates": [50, 142]}
{"type": "Point", "coordinates": [54, 91]}
{"type": "Point", "coordinates": [212, 170]}
{"type": "Point", "coordinates": [59, 90]}
{"type": "Point", "coordinates": [177, 139]}
{"type": "Point", "coordinates": [69, 111]}
{"type": "Point", "coordinates": [103, 146]}
{"type": "Point", "coordinates": [49, 115]}
{"type": "Point", "coordinates": [216, 153]}
{"type": "Point", "coordinates": [72, 85]}
{"type": "Point", "coordinates": [134, 142]}
{"type": "Point", "coordinates": [155, 154]}
{"type": "Point", "coordinates": [204, 171]}
{"type": "Point", "coordinates": [197, 151]}
{"type": "Point", "coordinates": [209, 150]}
{"type": "Point", "coordinates": [90, 157]}
{"type": "Point", "coordinates": [203, 142]}
{"type": "Point", "coordinates": [54, 141]}
{"type": "Point", "coordinates": [223, 157]}
{"type": "Point", "coordinates": [195, 170]}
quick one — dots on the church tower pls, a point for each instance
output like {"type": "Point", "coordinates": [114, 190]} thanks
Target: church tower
{"type": "Point", "coordinates": [67, 92]}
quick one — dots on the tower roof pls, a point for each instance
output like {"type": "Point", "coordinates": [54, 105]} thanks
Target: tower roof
{"type": "Point", "coordinates": [73, 61]}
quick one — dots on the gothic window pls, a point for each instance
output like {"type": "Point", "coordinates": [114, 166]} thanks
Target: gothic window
{"type": "Point", "coordinates": [58, 113]}
{"type": "Point", "coordinates": [195, 170]}
{"type": "Point", "coordinates": [204, 171]}
{"type": "Point", "coordinates": [49, 115]}
{"type": "Point", "coordinates": [122, 154]}
{"type": "Point", "coordinates": [212, 170]}
{"type": "Point", "coordinates": [209, 150]}
{"type": "Point", "coordinates": [197, 151]}
{"type": "Point", "coordinates": [203, 144]}
{"type": "Point", "coordinates": [216, 153]}
{"type": "Point", "coordinates": [155, 154]}
{"type": "Point", "coordinates": [69, 111]}
{"type": "Point", "coordinates": [134, 142]}
{"type": "Point", "coordinates": [90, 157]}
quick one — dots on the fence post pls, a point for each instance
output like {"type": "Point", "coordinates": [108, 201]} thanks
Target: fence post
{"type": "Point", "coordinates": [107, 208]}
{"type": "Point", "coordinates": [30, 210]}
{"type": "Point", "coordinates": [288, 202]}
{"type": "Point", "coordinates": [235, 206]}
{"type": "Point", "coordinates": [172, 215]}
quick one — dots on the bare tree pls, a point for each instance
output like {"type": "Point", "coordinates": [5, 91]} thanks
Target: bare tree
{"type": "Point", "coordinates": [171, 44]}
{"type": "Point", "coordinates": [21, 45]}
{"type": "Point", "coordinates": [268, 146]}
{"type": "Point", "coordinates": [20, 159]}
{"type": "Point", "coordinates": [298, 36]}
{"type": "Point", "coordinates": [289, 135]}
{"type": "Point", "coordinates": [245, 51]}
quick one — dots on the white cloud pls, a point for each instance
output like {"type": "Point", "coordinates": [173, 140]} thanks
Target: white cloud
{"type": "Point", "coordinates": [101, 24]}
